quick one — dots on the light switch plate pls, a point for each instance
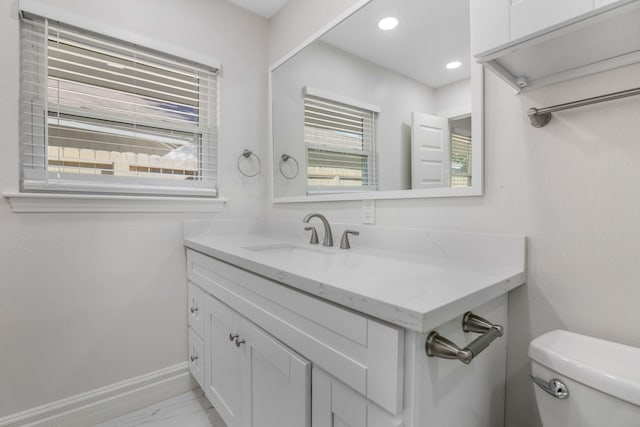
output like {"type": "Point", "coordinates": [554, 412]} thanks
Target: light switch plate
{"type": "Point", "coordinates": [368, 211]}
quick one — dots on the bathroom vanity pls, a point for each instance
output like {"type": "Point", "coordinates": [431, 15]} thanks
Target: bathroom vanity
{"type": "Point", "coordinates": [283, 333]}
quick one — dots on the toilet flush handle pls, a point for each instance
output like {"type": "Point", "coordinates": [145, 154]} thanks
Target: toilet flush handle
{"type": "Point", "coordinates": [555, 387]}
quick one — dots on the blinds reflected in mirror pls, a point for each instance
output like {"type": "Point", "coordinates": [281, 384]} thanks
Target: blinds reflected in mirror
{"type": "Point", "coordinates": [101, 115]}
{"type": "Point", "coordinates": [340, 142]}
{"type": "Point", "coordinates": [460, 159]}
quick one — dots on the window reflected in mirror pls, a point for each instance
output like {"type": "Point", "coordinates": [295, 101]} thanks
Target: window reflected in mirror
{"type": "Point", "coordinates": [340, 140]}
{"type": "Point", "coordinates": [366, 109]}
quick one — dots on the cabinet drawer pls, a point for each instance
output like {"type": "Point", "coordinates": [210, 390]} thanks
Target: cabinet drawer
{"type": "Point", "coordinates": [195, 309]}
{"type": "Point", "coordinates": [365, 354]}
{"type": "Point", "coordinates": [196, 357]}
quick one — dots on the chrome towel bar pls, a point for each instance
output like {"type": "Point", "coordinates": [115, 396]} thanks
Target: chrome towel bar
{"type": "Point", "coordinates": [439, 346]}
{"type": "Point", "coordinates": [540, 117]}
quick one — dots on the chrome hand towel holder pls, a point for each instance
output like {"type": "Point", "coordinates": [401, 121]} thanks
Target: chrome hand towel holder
{"type": "Point", "coordinates": [439, 346]}
{"type": "Point", "coordinates": [284, 160]}
{"type": "Point", "coordinates": [247, 155]}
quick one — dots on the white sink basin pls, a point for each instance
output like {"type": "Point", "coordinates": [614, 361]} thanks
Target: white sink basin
{"type": "Point", "coordinates": [287, 247]}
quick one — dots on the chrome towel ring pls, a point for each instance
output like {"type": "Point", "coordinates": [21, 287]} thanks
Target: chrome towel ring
{"type": "Point", "coordinates": [284, 161]}
{"type": "Point", "coordinates": [246, 155]}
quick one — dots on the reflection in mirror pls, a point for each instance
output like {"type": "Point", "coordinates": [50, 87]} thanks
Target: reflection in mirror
{"type": "Point", "coordinates": [363, 109]}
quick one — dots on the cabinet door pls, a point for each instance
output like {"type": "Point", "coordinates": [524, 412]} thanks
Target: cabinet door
{"type": "Point", "coordinates": [489, 24]}
{"type": "Point", "coordinates": [280, 383]}
{"type": "Point", "coordinates": [336, 405]}
{"type": "Point", "coordinates": [531, 16]}
{"type": "Point", "coordinates": [223, 362]}
{"type": "Point", "coordinates": [602, 3]}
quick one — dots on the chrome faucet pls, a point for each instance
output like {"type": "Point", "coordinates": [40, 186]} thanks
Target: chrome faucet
{"type": "Point", "coordinates": [328, 237]}
{"type": "Point", "coordinates": [344, 242]}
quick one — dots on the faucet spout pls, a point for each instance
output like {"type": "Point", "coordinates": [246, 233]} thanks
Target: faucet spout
{"type": "Point", "coordinates": [328, 236]}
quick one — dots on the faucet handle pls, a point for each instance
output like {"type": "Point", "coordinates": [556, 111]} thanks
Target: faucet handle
{"type": "Point", "coordinates": [314, 235]}
{"type": "Point", "coordinates": [344, 242]}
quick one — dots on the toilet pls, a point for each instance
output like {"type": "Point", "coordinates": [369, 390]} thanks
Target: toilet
{"type": "Point", "coordinates": [581, 381]}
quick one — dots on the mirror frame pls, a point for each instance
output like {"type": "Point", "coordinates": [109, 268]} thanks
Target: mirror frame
{"type": "Point", "coordinates": [477, 132]}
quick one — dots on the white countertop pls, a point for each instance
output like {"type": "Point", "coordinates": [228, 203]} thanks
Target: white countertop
{"type": "Point", "coordinates": [416, 292]}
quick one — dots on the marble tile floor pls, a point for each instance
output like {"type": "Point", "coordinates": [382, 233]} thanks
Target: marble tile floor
{"type": "Point", "coordinates": [190, 409]}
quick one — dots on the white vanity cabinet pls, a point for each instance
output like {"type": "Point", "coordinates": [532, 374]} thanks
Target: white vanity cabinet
{"type": "Point", "coordinates": [253, 379]}
{"type": "Point", "coordinates": [295, 336]}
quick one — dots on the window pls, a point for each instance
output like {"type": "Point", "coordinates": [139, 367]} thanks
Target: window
{"type": "Point", "coordinates": [340, 140]}
{"type": "Point", "coordinates": [101, 115]}
{"type": "Point", "coordinates": [461, 152]}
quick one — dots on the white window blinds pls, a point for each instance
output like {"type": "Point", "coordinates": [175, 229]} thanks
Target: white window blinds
{"type": "Point", "coordinates": [105, 116]}
{"type": "Point", "coordinates": [340, 143]}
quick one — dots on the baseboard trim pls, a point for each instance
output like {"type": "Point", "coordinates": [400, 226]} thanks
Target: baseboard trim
{"type": "Point", "coordinates": [108, 402]}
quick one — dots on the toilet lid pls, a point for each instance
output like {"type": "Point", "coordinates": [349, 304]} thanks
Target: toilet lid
{"type": "Point", "coordinates": [606, 366]}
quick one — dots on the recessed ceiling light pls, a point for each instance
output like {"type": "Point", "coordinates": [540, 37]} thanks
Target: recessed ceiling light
{"type": "Point", "coordinates": [388, 23]}
{"type": "Point", "coordinates": [453, 65]}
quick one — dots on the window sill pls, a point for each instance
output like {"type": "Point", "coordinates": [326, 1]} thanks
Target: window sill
{"type": "Point", "coordinates": [67, 203]}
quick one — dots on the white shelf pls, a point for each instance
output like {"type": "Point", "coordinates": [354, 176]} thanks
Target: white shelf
{"type": "Point", "coordinates": [601, 40]}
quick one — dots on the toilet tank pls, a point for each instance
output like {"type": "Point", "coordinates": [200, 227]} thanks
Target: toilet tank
{"type": "Point", "coordinates": [602, 377]}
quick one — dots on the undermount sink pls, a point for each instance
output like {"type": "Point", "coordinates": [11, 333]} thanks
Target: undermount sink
{"type": "Point", "coordinates": [284, 247]}
{"type": "Point", "coordinates": [269, 248]}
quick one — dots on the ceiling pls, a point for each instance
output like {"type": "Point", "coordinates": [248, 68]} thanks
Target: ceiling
{"type": "Point", "coordinates": [266, 8]}
{"type": "Point", "coordinates": [429, 35]}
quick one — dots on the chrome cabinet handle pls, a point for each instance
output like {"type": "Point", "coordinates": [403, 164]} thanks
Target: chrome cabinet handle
{"type": "Point", "coordinates": [194, 310]}
{"type": "Point", "coordinates": [239, 342]}
{"type": "Point", "coordinates": [554, 387]}
{"type": "Point", "coordinates": [233, 336]}
{"type": "Point", "coordinates": [194, 358]}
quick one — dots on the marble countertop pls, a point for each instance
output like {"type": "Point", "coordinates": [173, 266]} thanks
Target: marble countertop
{"type": "Point", "coordinates": [416, 292]}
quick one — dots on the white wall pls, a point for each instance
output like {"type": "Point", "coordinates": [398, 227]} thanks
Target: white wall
{"type": "Point", "coordinates": [325, 67]}
{"type": "Point", "coordinates": [90, 299]}
{"type": "Point", "coordinates": [570, 187]}
{"type": "Point", "coordinates": [298, 20]}
{"type": "Point", "coordinates": [454, 99]}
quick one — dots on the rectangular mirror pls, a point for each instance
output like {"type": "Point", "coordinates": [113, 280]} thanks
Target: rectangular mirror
{"type": "Point", "coordinates": [363, 112]}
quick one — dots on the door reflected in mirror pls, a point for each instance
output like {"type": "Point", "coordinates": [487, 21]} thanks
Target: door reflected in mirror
{"type": "Point", "coordinates": [363, 110]}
